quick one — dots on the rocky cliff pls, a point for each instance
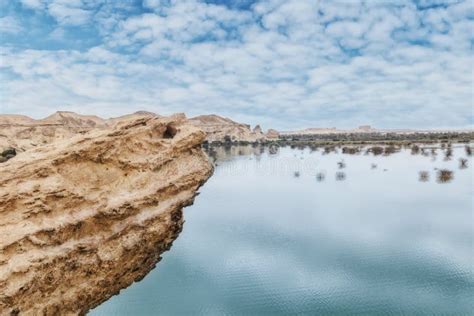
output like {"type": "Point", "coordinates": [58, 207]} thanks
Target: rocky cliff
{"type": "Point", "coordinates": [23, 133]}
{"type": "Point", "coordinates": [221, 129]}
{"type": "Point", "coordinates": [85, 216]}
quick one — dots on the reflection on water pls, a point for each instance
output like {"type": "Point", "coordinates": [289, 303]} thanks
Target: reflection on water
{"type": "Point", "coordinates": [445, 175]}
{"type": "Point", "coordinates": [448, 154]}
{"type": "Point", "coordinates": [468, 150]}
{"type": "Point", "coordinates": [341, 164]}
{"type": "Point", "coordinates": [260, 241]}
{"type": "Point", "coordinates": [320, 176]}
{"type": "Point", "coordinates": [424, 176]}
{"type": "Point", "coordinates": [340, 176]}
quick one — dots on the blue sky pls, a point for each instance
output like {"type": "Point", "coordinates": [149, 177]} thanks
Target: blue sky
{"type": "Point", "coordinates": [281, 63]}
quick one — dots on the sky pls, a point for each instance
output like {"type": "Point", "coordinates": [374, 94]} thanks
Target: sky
{"type": "Point", "coordinates": [285, 64]}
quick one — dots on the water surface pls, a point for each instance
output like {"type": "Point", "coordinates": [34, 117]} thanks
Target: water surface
{"type": "Point", "coordinates": [294, 232]}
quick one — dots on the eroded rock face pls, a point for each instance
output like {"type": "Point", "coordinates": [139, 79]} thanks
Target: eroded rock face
{"type": "Point", "coordinates": [82, 218]}
{"type": "Point", "coordinates": [23, 133]}
{"type": "Point", "coordinates": [221, 129]}
{"type": "Point", "coordinates": [272, 134]}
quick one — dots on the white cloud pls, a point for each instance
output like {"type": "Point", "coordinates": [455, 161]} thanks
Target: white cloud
{"type": "Point", "coordinates": [69, 12]}
{"type": "Point", "coordinates": [10, 25]}
{"type": "Point", "coordinates": [284, 63]}
{"type": "Point", "coordinates": [33, 4]}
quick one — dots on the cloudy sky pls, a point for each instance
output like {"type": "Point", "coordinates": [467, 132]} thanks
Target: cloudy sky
{"type": "Point", "coordinates": [281, 63]}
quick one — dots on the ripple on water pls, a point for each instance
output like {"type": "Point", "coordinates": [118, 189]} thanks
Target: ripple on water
{"type": "Point", "coordinates": [260, 241]}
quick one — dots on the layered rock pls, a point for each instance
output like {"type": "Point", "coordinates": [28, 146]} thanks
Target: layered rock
{"type": "Point", "coordinates": [257, 130]}
{"type": "Point", "coordinates": [272, 134]}
{"type": "Point", "coordinates": [23, 133]}
{"type": "Point", "coordinates": [139, 114]}
{"type": "Point", "coordinates": [73, 120]}
{"type": "Point", "coordinates": [221, 129]}
{"type": "Point", "coordinates": [82, 218]}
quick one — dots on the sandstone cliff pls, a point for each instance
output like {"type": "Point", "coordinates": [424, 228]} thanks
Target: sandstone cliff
{"type": "Point", "coordinates": [272, 134]}
{"type": "Point", "coordinates": [85, 216]}
{"type": "Point", "coordinates": [23, 133]}
{"type": "Point", "coordinates": [221, 129]}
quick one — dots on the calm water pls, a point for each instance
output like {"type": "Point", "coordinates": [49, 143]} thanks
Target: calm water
{"type": "Point", "coordinates": [260, 240]}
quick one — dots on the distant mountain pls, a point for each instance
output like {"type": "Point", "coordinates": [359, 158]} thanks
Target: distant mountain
{"type": "Point", "coordinates": [9, 119]}
{"type": "Point", "coordinates": [333, 130]}
{"type": "Point", "coordinates": [71, 119]}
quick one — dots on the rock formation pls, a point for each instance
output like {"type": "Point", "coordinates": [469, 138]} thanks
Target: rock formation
{"type": "Point", "coordinates": [23, 133]}
{"type": "Point", "coordinates": [257, 130]}
{"type": "Point", "coordinates": [272, 134]}
{"type": "Point", "coordinates": [221, 129]}
{"type": "Point", "coordinates": [71, 119]}
{"type": "Point", "coordinates": [87, 215]}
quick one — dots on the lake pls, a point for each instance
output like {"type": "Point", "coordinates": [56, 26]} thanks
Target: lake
{"type": "Point", "coordinates": [314, 232]}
